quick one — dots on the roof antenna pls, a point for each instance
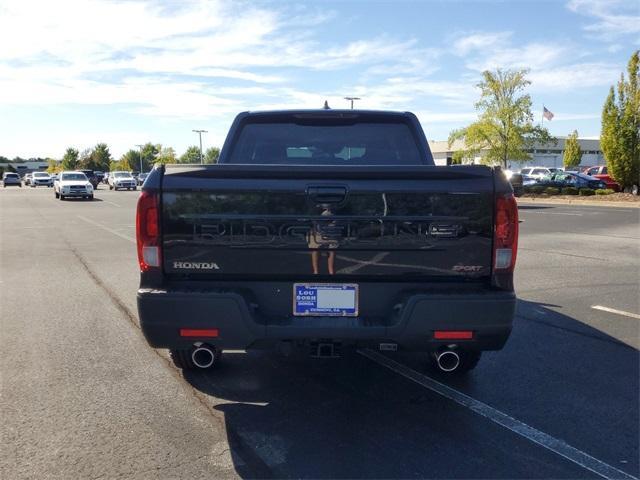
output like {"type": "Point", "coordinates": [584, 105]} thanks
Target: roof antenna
{"type": "Point", "coordinates": [326, 106]}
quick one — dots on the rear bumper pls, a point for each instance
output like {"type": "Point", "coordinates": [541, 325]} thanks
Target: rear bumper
{"type": "Point", "coordinates": [163, 313]}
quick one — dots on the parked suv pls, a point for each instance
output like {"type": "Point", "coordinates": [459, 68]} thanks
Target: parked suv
{"type": "Point", "coordinates": [11, 178]}
{"type": "Point", "coordinates": [119, 180]}
{"type": "Point", "coordinates": [41, 179]}
{"type": "Point", "coordinates": [91, 176]}
{"type": "Point", "coordinates": [73, 184]}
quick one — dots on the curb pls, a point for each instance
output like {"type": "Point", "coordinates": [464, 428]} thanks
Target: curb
{"type": "Point", "coordinates": [558, 201]}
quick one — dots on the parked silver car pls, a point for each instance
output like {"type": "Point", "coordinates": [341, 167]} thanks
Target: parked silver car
{"type": "Point", "coordinates": [42, 179]}
{"type": "Point", "coordinates": [11, 178]}
{"type": "Point", "coordinates": [118, 180]}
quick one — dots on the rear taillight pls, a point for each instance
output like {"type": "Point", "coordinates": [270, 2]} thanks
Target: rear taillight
{"type": "Point", "coordinates": [505, 240]}
{"type": "Point", "coordinates": [148, 231]}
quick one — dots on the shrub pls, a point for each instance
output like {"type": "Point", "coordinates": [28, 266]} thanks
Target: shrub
{"type": "Point", "coordinates": [570, 191]}
{"type": "Point", "coordinates": [586, 192]}
{"type": "Point", "coordinates": [605, 191]}
{"type": "Point", "coordinates": [537, 189]}
{"type": "Point", "coordinates": [527, 189]}
{"type": "Point", "coordinates": [552, 190]}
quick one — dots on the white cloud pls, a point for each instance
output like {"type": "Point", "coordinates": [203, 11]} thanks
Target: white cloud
{"type": "Point", "coordinates": [479, 41]}
{"type": "Point", "coordinates": [613, 18]}
{"type": "Point", "coordinates": [171, 62]}
{"type": "Point", "coordinates": [532, 56]}
{"type": "Point", "coordinates": [574, 77]}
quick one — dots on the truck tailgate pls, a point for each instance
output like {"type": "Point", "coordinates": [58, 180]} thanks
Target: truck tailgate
{"type": "Point", "coordinates": [378, 223]}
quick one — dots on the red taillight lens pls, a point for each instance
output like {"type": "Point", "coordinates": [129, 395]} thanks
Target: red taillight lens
{"type": "Point", "coordinates": [147, 231]}
{"type": "Point", "coordinates": [505, 241]}
{"type": "Point", "coordinates": [199, 332]}
{"type": "Point", "coordinates": [453, 335]}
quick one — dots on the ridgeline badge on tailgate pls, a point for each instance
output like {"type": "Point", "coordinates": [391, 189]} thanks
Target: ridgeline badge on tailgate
{"type": "Point", "coordinates": [196, 266]}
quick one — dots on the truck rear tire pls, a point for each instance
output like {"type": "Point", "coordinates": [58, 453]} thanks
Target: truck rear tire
{"type": "Point", "coordinates": [468, 361]}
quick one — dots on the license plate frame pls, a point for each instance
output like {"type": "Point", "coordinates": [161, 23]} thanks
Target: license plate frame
{"type": "Point", "coordinates": [334, 300]}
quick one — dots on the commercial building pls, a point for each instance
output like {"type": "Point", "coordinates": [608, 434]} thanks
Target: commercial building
{"type": "Point", "coordinates": [543, 155]}
{"type": "Point", "coordinates": [25, 167]}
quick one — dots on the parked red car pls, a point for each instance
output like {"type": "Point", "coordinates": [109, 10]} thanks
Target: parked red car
{"type": "Point", "coordinates": [600, 171]}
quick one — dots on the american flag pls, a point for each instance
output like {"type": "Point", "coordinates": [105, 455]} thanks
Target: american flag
{"type": "Point", "coordinates": [548, 114]}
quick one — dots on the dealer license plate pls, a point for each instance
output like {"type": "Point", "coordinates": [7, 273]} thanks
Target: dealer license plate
{"type": "Point", "coordinates": [325, 299]}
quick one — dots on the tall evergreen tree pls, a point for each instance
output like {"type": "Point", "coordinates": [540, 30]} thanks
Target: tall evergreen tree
{"type": "Point", "coordinates": [100, 158]}
{"type": "Point", "coordinates": [149, 155]}
{"type": "Point", "coordinates": [192, 155]}
{"type": "Point", "coordinates": [211, 155]}
{"type": "Point", "coordinates": [620, 134]}
{"type": "Point", "coordinates": [167, 155]}
{"type": "Point", "coordinates": [572, 152]}
{"type": "Point", "coordinates": [70, 161]}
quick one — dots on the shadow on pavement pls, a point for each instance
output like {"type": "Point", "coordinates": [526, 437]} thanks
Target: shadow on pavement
{"type": "Point", "coordinates": [351, 418]}
{"type": "Point", "coordinates": [74, 199]}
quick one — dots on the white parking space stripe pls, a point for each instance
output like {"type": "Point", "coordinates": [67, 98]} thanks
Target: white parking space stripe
{"type": "Point", "coordinates": [112, 203]}
{"type": "Point", "coordinates": [110, 230]}
{"type": "Point", "coordinates": [617, 312]}
{"type": "Point", "coordinates": [557, 446]}
{"type": "Point", "coordinates": [554, 213]}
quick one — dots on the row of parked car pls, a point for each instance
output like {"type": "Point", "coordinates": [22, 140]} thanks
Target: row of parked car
{"type": "Point", "coordinates": [115, 180]}
{"type": "Point", "coordinates": [590, 177]}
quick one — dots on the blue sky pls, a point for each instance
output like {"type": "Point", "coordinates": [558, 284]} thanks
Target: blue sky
{"type": "Point", "coordinates": [74, 73]}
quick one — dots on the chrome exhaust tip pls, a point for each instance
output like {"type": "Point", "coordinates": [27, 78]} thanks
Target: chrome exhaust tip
{"type": "Point", "coordinates": [448, 360]}
{"type": "Point", "coordinates": [203, 356]}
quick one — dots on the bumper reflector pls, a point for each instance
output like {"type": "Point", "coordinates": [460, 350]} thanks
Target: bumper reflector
{"type": "Point", "coordinates": [453, 335]}
{"type": "Point", "coordinates": [198, 332]}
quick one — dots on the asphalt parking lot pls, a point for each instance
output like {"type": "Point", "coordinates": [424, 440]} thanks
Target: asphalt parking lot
{"type": "Point", "coordinates": [83, 396]}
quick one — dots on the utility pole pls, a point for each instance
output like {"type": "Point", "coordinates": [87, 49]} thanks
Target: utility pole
{"type": "Point", "coordinates": [140, 147]}
{"type": "Point", "coordinates": [200, 132]}
{"type": "Point", "coordinates": [351, 99]}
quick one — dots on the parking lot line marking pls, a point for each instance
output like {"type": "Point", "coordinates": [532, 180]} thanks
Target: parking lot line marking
{"type": "Point", "coordinates": [617, 312]}
{"type": "Point", "coordinates": [110, 230]}
{"type": "Point", "coordinates": [112, 203]}
{"type": "Point", "coordinates": [553, 444]}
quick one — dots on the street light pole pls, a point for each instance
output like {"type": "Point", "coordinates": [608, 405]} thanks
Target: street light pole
{"type": "Point", "coordinates": [200, 132]}
{"type": "Point", "coordinates": [351, 99]}
{"type": "Point", "coordinates": [140, 147]}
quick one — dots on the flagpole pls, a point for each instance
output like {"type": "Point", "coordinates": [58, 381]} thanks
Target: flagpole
{"type": "Point", "coordinates": [542, 119]}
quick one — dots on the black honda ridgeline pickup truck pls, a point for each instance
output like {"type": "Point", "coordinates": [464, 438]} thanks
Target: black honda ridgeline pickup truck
{"type": "Point", "coordinates": [327, 229]}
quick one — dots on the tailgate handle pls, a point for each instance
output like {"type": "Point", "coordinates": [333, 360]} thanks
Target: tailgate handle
{"type": "Point", "coordinates": [327, 194]}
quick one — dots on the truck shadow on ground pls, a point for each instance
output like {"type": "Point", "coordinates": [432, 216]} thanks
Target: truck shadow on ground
{"type": "Point", "coordinates": [351, 418]}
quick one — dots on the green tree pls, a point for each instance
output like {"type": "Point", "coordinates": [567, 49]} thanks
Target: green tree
{"type": "Point", "coordinates": [620, 134]}
{"type": "Point", "coordinates": [70, 161]}
{"type": "Point", "coordinates": [505, 129]}
{"type": "Point", "coordinates": [53, 166]}
{"type": "Point", "coordinates": [150, 153]}
{"type": "Point", "coordinates": [572, 152]}
{"type": "Point", "coordinates": [211, 155]}
{"type": "Point", "coordinates": [167, 155]}
{"type": "Point", "coordinates": [100, 158]}
{"type": "Point", "coordinates": [192, 155]}
{"type": "Point", "coordinates": [129, 161]}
